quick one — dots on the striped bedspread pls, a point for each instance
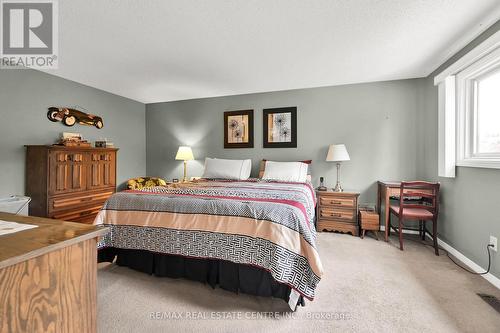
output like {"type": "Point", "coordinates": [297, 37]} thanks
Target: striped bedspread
{"type": "Point", "coordinates": [264, 224]}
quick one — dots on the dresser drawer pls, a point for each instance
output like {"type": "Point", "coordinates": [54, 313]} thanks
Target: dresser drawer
{"type": "Point", "coordinates": [82, 214]}
{"type": "Point", "coordinates": [68, 202]}
{"type": "Point", "coordinates": [336, 201]}
{"type": "Point", "coordinates": [337, 214]}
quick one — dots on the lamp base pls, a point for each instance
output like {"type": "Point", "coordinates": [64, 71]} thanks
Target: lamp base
{"type": "Point", "coordinates": [185, 179]}
{"type": "Point", "coordinates": [338, 188]}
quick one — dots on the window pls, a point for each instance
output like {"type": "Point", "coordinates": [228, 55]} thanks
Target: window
{"type": "Point", "coordinates": [478, 97]}
{"type": "Point", "coordinates": [469, 110]}
{"type": "Point", "coordinates": [487, 129]}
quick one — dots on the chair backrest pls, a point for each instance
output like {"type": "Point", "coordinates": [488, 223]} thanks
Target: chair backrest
{"type": "Point", "coordinates": [428, 191]}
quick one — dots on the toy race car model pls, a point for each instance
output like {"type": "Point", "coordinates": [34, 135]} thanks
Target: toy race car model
{"type": "Point", "coordinates": [69, 117]}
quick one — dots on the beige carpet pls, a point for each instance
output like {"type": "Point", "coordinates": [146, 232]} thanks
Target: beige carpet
{"type": "Point", "coordinates": [368, 286]}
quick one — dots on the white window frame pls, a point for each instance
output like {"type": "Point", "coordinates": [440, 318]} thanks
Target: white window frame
{"type": "Point", "coordinates": [467, 81]}
{"type": "Point", "coordinates": [456, 84]}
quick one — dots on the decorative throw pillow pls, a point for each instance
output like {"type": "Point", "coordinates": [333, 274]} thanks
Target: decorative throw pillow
{"type": "Point", "coordinates": [286, 171]}
{"type": "Point", "coordinates": [142, 182]}
{"type": "Point", "coordinates": [263, 167]}
{"type": "Point", "coordinates": [227, 169]}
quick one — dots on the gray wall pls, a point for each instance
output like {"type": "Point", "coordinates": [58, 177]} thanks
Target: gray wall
{"type": "Point", "coordinates": [24, 98]}
{"type": "Point", "coordinates": [390, 129]}
{"type": "Point", "coordinates": [377, 122]}
{"type": "Point", "coordinates": [469, 209]}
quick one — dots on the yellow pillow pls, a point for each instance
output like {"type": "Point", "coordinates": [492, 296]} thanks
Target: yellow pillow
{"type": "Point", "coordinates": [142, 182]}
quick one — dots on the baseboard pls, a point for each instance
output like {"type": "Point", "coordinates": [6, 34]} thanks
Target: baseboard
{"type": "Point", "coordinates": [471, 264]}
{"type": "Point", "coordinates": [455, 253]}
{"type": "Point", "coordinates": [405, 231]}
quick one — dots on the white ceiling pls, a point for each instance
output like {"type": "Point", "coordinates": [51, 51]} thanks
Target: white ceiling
{"type": "Point", "coordinates": [155, 51]}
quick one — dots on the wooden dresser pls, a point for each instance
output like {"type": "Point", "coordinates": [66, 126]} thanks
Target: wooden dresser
{"type": "Point", "coordinates": [48, 277]}
{"type": "Point", "coordinates": [337, 211]}
{"type": "Point", "coordinates": [69, 183]}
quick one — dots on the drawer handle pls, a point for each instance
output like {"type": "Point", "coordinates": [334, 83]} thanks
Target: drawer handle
{"type": "Point", "coordinates": [335, 202]}
{"type": "Point", "coordinates": [87, 199]}
{"type": "Point", "coordinates": [333, 214]}
{"type": "Point", "coordinates": [86, 213]}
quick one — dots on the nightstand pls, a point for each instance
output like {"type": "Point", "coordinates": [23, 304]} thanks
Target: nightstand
{"type": "Point", "coordinates": [337, 211]}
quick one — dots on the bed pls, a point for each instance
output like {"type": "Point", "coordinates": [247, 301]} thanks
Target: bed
{"type": "Point", "coordinates": [256, 237]}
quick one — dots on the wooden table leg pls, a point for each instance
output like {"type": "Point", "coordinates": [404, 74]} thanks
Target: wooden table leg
{"type": "Point", "coordinates": [379, 202]}
{"type": "Point", "coordinates": [386, 215]}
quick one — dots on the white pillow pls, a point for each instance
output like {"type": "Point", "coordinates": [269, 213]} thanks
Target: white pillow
{"type": "Point", "coordinates": [227, 169]}
{"type": "Point", "coordinates": [286, 171]}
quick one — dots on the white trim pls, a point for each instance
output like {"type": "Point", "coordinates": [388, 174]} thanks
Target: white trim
{"type": "Point", "coordinates": [479, 163]}
{"type": "Point", "coordinates": [405, 231]}
{"type": "Point", "coordinates": [471, 264]}
{"type": "Point", "coordinates": [489, 45]}
{"type": "Point", "coordinates": [446, 128]}
{"type": "Point", "coordinates": [455, 253]}
{"type": "Point", "coordinates": [465, 39]}
{"type": "Point", "coordinates": [456, 86]}
{"type": "Point", "coordinates": [466, 82]}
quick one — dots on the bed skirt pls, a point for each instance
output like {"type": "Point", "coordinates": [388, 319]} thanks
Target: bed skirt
{"type": "Point", "coordinates": [225, 274]}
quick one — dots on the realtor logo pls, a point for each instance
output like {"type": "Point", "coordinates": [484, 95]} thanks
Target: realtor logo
{"type": "Point", "coordinates": [29, 34]}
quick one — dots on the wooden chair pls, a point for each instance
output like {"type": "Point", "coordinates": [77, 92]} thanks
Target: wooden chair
{"type": "Point", "coordinates": [417, 201]}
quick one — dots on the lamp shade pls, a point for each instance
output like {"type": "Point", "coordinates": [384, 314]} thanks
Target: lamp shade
{"type": "Point", "coordinates": [184, 153]}
{"type": "Point", "coordinates": [337, 153]}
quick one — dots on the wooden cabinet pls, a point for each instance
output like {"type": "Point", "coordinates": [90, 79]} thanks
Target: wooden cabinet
{"type": "Point", "coordinates": [369, 221]}
{"type": "Point", "coordinates": [48, 277]}
{"type": "Point", "coordinates": [69, 174]}
{"type": "Point", "coordinates": [337, 211]}
{"type": "Point", "coordinates": [69, 183]}
{"type": "Point", "coordinates": [102, 170]}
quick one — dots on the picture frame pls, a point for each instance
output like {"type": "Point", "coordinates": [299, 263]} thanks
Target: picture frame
{"type": "Point", "coordinates": [280, 127]}
{"type": "Point", "coordinates": [238, 129]}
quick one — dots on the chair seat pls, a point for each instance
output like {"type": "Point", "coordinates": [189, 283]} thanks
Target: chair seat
{"type": "Point", "coordinates": [416, 213]}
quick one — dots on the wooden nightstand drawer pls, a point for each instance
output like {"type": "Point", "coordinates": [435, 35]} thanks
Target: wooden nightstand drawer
{"type": "Point", "coordinates": [327, 200]}
{"type": "Point", "coordinates": [337, 214]}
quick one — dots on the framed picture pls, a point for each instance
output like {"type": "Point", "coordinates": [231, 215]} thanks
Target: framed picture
{"type": "Point", "coordinates": [238, 129]}
{"type": "Point", "coordinates": [280, 127]}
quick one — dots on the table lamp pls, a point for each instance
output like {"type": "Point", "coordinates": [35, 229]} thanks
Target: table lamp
{"type": "Point", "coordinates": [185, 154]}
{"type": "Point", "coordinates": [337, 153]}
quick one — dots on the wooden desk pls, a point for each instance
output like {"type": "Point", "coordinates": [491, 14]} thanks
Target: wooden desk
{"type": "Point", "coordinates": [387, 189]}
{"type": "Point", "coordinates": [48, 276]}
